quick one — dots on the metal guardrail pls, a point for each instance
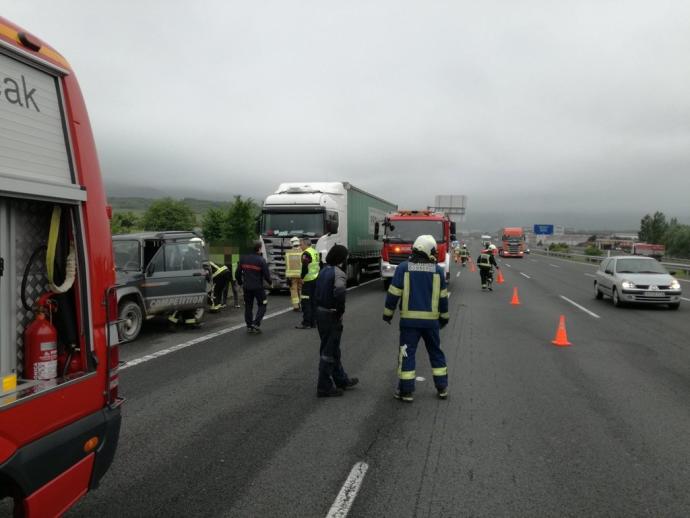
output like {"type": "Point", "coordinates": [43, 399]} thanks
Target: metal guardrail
{"type": "Point", "coordinates": [596, 259]}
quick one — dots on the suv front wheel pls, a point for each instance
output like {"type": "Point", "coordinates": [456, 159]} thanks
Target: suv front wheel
{"type": "Point", "coordinates": [131, 319]}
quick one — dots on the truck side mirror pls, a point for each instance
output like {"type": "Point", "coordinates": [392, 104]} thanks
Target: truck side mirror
{"type": "Point", "coordinates": [452, 230]}
{"type": "Point", "coordinates": [376, 231]}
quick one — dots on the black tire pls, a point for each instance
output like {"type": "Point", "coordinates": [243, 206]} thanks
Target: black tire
{"type": "Point", "coordinates": [132, 318]}
{"type": "Point", "coordinates": [597, 292]}
{"type": "Point", "coordinates": [615, 298]}
{"type": "Point", "coordinates": [386, 284]}
{"type": "Point", "coordinates": [675, 305]}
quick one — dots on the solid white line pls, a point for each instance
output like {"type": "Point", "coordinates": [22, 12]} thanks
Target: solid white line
{"type": "Point", "coordinates": [449, 294]}
{"type": "Point", "coordinates": [348, 492]}
{"type": "Point", "coordinates": [591, 275]}
{"type": "Point", "coordinates": [554, 265]}
{"type": "Point", "coordinates": [205, 338]}
{"type": "Point", "coordinates": [580, 307]}
{"type": "Point", "coordinates": [683, 298]}
{"type": "Point", "coordinates": [525, 275]}
{"type": "Point", "coordinates": [364, 284]}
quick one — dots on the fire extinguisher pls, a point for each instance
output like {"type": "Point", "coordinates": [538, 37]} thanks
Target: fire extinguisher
{"type": "Point", "coordinates": [40, 344]}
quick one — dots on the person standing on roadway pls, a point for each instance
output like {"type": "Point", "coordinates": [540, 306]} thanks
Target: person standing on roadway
{"type": "Point", "coordinates": [293, 272]}
{"type": "Point", "coordinates": [329, 294]}
{"type": "Point", "coordinates": [252, 271]}
{"type": "Point", "coordinates": [486, 262]}
{"type": "Point", "coordinates": [310, 271]}
{"type": "Point", "coordinates": [221, 276]}
{"type": "Point", "coordinates": [421, 284]}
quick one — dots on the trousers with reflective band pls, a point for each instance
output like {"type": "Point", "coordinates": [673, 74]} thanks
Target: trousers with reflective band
{"type": "Point", "coordinates": [409, 339]}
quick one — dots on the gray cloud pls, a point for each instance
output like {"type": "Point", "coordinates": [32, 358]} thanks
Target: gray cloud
{"type": "Point", "coordinates": [568, 107]}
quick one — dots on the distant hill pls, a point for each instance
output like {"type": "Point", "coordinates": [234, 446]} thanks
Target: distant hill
{"type": "Point", "coordinates": [139, 205]}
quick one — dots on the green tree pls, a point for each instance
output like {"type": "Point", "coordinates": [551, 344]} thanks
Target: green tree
{"type": "Point", "coordinates": [214, 225]}
{"type": "Point", "coordinates": [169, 214]}
{"type": "Point", "coordinates": [653, 228]}
{"type": "Point", "coordinates": [241, 222]}
{"type": "Point", "coordinates": [124, 223]}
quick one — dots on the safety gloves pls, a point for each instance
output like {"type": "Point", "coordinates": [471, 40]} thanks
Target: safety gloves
{"type": "Point", "coordinates": [443, 322]}
{"type": "Point", "coordinates": [387, 318]}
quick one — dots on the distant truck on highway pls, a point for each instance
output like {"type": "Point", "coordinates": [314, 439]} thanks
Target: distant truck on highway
{"type": "Point", "coordinates": [401, 228]}
{"type": "Point", "coordinates": [326, 213]}
{"type": "Point", "coordinates": [649, 250]}
{"type": "Point", "coordinates": [512, 242]}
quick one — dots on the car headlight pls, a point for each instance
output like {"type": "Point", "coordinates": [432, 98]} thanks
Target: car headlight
{"type": "Point", "coordinates": [675, 285]}
{"type": "Point", "coordinates": [628, 285]}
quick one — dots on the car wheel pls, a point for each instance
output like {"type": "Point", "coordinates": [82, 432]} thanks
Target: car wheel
{"type": "Point", "coordinates": [597, 292]}
{"type": "Point", "coordinates": [358, 274]}
{"type": "Point", "coordinates": [675, 305]}
{"type": "Point", "coordinates": [131, 319]}
{"type": "Point", "coordinates": [616, 298]}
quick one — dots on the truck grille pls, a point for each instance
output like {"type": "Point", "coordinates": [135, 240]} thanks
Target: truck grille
{"type": "Point", "coordinates": [397, 258]}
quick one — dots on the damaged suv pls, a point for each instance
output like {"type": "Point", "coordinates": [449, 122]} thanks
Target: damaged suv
{"type": "Point", "coordinates": [160, 273]}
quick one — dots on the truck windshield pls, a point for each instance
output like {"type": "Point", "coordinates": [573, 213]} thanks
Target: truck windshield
{"type": "Point", "coordinates": [293, 223]}
{"type": "Point", "coordinates": [635, 265]}
{"type": "Point", "coordinates": [513, 239]}
{"type": "Point", "coordinates": [127, 255]}
{"type": "Point", "coordinates": [406, 231]}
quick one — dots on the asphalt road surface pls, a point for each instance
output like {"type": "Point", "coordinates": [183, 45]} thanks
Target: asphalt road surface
{"type": "Point", "coordinates": [229, 425]}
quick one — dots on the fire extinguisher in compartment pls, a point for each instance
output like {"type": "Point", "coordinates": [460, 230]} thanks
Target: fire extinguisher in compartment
{"type": "Point", "coordinates": [40, 344]}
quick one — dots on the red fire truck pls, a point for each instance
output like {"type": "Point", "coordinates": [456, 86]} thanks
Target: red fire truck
{"type": "Point", "coordinates": [512, 242]}
{"type": "Point", "coordinates": [403, 227]}
{"type": "Point", "coordinates": [59, 404]}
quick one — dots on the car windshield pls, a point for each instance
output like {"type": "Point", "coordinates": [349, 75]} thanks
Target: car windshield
{"type": "Point", "coordinates": [406, 231]}
{"type": "Point", "coordinates": [639, 265]}
{"type": "Point", "coordinates": [127, 255]}
{"type": "Point", "coordinates": [293, 223]}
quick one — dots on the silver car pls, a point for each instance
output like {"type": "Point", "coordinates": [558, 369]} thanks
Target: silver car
{"type": "Point", "coordinates": [636, 279]}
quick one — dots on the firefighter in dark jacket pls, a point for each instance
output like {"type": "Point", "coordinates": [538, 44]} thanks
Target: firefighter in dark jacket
{"type": "Point", "coordinates": [421, 284]}
{"type": "Point", "coordinates": [330, 293]}
{"type": "Point", "coordinates": [310, 271]}
{"type": "Point", "coordinates": [252, 271]}
{"type": "Point", "coordinates": [221, 276]}
{"type": "Point", "coordinates": [486, 262]}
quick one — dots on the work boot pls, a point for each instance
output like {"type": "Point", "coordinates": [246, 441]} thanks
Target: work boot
{"type": "Point", "coordinates": [490, 288]}
{"type": "Point", "coordinates": [349, 384]}
{"type": "Point", "coordinates": [406, 397]}
{"type": "Point", "coordinates": [251, 330]}
{"type": "Point", "coordinates": [334, 392]}
{"type": "Point", "coordinates": [257, 330]}
{"type": "Point", "coordinates": [442, 393]}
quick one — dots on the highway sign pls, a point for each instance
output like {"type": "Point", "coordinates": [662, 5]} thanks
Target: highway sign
{"type": "Point", "coordinates": [543, 230]}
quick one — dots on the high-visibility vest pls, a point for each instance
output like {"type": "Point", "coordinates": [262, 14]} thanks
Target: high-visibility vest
{"type": "Point", "coordinates": [293, 263]}
{"type": "Point", "coordinates": [217, 269]}
{"type": "Point", "coordinates": [484, 259]}
{"type": "Point", "coordinates": [314, 267]}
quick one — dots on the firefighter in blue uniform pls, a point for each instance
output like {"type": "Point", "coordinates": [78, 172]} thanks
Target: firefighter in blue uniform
{"type": "Point", "coordinates": [252, 272]}
{"type": "Point", "coordinates": [421, 285]}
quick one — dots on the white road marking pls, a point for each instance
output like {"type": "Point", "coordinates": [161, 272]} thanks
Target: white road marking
{"type": "Point", "coordinates": [457, 274]}
{"type": "Point", "coordinates": [683, 298]}
{"type": "Point", "coordinates": [348, 492]}
{"type": "Point", "coordinates": [508, 265]}
{"type": "Point", "coordinates": [580, 307]}
{"type": "Point", "coordinates": [420, 378]}
{"type": "Point", "coordinates": [210, 336]}
{"type": "Point", "coordinates": [534, 260]}
{"type": "Point", "coordinates": [525, 275]}
{"type": "Point", "coordinates": [554, 265]}
{"type": "Point", "coordinates": [591, 275]}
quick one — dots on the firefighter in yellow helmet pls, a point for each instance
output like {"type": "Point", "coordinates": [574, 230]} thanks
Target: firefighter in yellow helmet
{"type": "Point", "coordinates": [293, 271]}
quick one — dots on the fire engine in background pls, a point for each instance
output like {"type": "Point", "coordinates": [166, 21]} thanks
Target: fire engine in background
{"type": "Point", "coordinates": [649, 250]}
{"type": "Point", "coordinates": [59, 404]}
{"type": "Point", "coordinates": [401, 228]}
{"type": "Point", "coordinates": [512, 242]}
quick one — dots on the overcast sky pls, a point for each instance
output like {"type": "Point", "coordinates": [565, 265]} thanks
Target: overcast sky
{"type": "Point", "coordinates": [563, 106]}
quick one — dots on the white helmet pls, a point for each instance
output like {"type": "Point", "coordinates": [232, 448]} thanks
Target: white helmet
{"type": "Point", "coordinates": [492, 247]}
{"type": "Point", "coordinates": [425, 244]}
{"type": "Point", "coordinates": [294, 241]}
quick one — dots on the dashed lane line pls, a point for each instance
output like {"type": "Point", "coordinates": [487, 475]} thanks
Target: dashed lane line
{"type": "Point", "coordinates": [348, 493]}
{"type": "Point", "coordinates": [457, 274]}
{"type": "Point", "coordinates": [210, 336]}
{"type": "Point", "coordinates": [534, 260]}
{"type": "Point", "coordinates": [554, 265]}
{"type": "Point", "coordinates": [525, 275]}
{"type": "Point", "coordinates": [591, 313]}
{"type": "Point", "coordinates": [591, 275]}
{"type": "Point", "coordinates": [683, 298]}
{"type": "Point", "coordinates": [508, 265]}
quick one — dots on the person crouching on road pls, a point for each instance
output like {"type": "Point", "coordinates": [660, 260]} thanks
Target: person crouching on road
{"type": "Point", "coordinates": [293, 271]}
{"type": "Point", "coordinates": [310, 271]}
{"type": "Point", "coordinates": [486, 263]}
{"type": "Point", "coordinates": [330, 293]}
{"type": "Point", "coordinates": [252, 271]}
{"type": "Point", "coordinates": [424, 311]}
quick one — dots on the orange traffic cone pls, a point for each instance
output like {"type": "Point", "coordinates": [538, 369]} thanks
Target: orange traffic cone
{"type": "Point", "coordinates": [472, 268]}
{"type": "Point", "coordinates": [499, 277]}
{"type": "Point", "coordinates": [561, 338]}
{"type": "Point", "coordinates": [515, 301]}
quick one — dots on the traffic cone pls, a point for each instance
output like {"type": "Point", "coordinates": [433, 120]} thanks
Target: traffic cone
{"type": "Point", "coordinates": [515, 301]}
{"type": "Point", "coordinates": [472, 267]}
{"type": "Point", "coordinates": [499, 277]}
{"type": "Point", "coordinates": [561, 338]}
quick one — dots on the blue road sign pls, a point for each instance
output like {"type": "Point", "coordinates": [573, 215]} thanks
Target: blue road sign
{"type": "Point", "coordinates": [543, 230]}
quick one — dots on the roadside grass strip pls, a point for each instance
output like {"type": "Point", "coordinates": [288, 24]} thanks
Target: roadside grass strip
{"type": "Point", "coordinates": [348, 493]}
{"type": "Point", "coordinates": [578, 306]}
